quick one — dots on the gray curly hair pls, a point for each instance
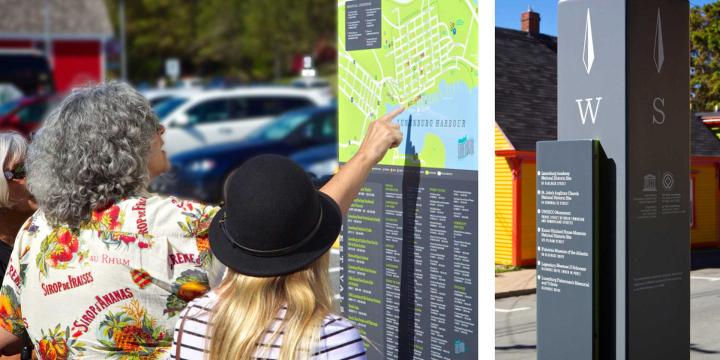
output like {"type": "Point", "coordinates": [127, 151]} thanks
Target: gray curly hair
{"type": "Point", "coordinates": [92, 150]}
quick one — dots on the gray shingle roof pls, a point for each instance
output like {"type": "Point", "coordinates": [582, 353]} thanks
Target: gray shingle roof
{"type": "Point", "coordinates": [525, 87]}
{"type": "Point", "coordinates": [703, 141]}
{"type": "Point", "coordinates": [82, 18]}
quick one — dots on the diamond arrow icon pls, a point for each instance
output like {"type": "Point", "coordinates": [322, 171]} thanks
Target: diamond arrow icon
{"type": "Point", "coordinates": [588, 45]}
{"type": "Point", "coordinates": [659, 48]}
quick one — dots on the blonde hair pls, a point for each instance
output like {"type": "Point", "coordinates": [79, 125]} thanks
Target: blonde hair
{"type": "Point", "coordinates": [248, 306]}
{"type": "Point", "coordinates": [13, 148]}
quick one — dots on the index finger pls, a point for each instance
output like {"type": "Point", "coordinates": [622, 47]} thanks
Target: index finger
{"type": "Point", "coordinates": [391, 115]}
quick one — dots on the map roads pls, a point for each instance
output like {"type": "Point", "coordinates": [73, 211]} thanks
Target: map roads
{"type": "Point", "coordinates": [426, 58]}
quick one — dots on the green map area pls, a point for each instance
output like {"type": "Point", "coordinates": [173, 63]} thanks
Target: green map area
{"type": "Point", "coordinates": [428, 60]}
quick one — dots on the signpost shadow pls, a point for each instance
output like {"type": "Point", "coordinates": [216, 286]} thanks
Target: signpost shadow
{"type": "Point", "coordinates": [607, 262]}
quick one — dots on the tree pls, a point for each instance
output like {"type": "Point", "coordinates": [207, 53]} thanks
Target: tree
{"type": "Point", "coordinates": [705, 57]}
{"type": "Point", "coordinates": [248, 39]}
{"type": "Point", "coordinates": [280, 29]}
{"type": "Point", "coordinates": [157, 30]}
{"type": "Point", "coordinates": [220, 50]}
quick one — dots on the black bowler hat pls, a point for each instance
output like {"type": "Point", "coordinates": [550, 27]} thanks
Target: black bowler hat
{"type": "Point", "coordinates": [274, 222]}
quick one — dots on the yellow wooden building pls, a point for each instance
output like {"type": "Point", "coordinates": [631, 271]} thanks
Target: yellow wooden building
{"type": "Point", "coordinates": [525, 105]}
{"type": "Point", "coordinates": [525, 112]}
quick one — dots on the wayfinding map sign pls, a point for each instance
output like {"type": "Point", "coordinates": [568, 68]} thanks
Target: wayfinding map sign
{"type": "Point", "coordinates": [623, 79]}
{"type": "Point", "coordinates": [409, 244]}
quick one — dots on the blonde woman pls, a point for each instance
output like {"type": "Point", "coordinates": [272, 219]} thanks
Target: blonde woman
{"type": "Point", "coordinates": [275, 302]}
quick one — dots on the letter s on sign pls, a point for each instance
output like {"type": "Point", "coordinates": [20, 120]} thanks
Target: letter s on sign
{"type": "Point", "coordinates": [658, 105]}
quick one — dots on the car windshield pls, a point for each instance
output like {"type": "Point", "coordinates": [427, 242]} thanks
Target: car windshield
{"type": "Point", "coordinates": [164, 108]}
{"type": "Point", "coordinates": [281, 127]}
{"type": "Point", "coordinates": [8, 107]}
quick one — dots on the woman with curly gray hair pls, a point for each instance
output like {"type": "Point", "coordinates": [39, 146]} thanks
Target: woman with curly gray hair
{"type": "Point", "coordinates": [101, 144]}
{"type": "Point", "coordinates": [119, 262]}
{"type": "Point", "coordinates": [103, 268]}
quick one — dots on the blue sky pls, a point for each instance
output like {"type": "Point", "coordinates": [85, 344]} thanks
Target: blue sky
{"type": "Point", "coordinates": [507, 13]}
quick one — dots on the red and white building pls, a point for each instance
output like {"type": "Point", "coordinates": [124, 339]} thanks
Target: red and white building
{"type": "Point", "coordinates": [75, 32]}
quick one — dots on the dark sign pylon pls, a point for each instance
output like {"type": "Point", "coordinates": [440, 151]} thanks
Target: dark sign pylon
{"type": "Point", "coordinates": [567, 239]}
{"type": "Point", "coordinates": [623, 79]}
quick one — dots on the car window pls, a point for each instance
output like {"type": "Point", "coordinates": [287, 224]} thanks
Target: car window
{"type": "Point", "coordinates": [239, 108]}
{"type": "Point", "coordinates": [210, 111]}
{"type": "Point", "coordinates": [280, 128]}
{"type": "Point", "coordinates": [29, 72]}
{"type": "Point", "coordinates": [321, 128]}
{"type": "Point", "coordinates": [33, 113]}
{"type": "Point", "coordinates": [163, 109]}
{"type": "Point", "coordinates": [159, 99]}
{"type": "Point", "coordinates": [274, 105]}
{"type": "Point", "coordinates": [8, 107]}
{"type": "Point", "coordinates": [329, 126]}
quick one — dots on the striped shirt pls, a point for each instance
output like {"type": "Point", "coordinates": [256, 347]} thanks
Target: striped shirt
{"type": "Point", "coordinates": [339, 339]}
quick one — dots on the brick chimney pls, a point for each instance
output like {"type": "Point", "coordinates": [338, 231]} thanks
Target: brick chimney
{"type": "Point", "coordinates": [530, 22]}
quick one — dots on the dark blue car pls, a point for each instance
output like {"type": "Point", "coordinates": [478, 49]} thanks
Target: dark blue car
{"type": "Point", "coordinates": [200, 174]}
{"type": "Point", "coordinates": [320, 162]}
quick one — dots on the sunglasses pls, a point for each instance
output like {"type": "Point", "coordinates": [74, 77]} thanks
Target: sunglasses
{"type": "Point", "coordinates": [17, 173]}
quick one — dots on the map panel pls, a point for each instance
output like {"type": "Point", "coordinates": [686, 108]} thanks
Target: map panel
{"type": "Point", "coordinates": [428, 60]}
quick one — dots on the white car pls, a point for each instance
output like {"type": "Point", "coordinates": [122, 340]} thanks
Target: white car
{"type": "Point", "coordinates": [156, 96]}
{"type": "Point", "coordinates": [218, 116]}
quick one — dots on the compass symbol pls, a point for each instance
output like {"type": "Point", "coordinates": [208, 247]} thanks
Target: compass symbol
{"type": "Point", "coordinates": [659, 48]}
{"type": "Point", "coordinates": [588, 45]}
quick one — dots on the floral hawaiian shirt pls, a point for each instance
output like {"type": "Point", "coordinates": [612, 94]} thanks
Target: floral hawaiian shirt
{"type": "Point", "coordinates": [114, 287]}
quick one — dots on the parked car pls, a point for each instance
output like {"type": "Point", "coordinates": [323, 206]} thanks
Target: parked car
{"type": "Point", "coordinates": [25, 115]}
{"type": "Point", "coordinates": [220, 116]}
{"type": "Point", "coordinates": [320, 162]}
{"type": "Point", "coordinates": [27, 69]}
{"type": "Point", "coordinates": [157, 96]}
{"type": "Point", "coordinates": [311, 83]}
{"type": "Point", "coordinates": [168, 105]}
{"type": "Point", "coordinates": [200, 174]}
{"type": "Point", "coordinates": [9, 92]}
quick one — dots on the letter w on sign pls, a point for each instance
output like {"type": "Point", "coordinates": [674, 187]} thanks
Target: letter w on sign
{"type": "Point", "coordinates": [590, 109]}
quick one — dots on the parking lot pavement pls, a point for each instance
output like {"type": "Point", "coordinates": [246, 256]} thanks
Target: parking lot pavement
{"type": "Point", "coordinates": [515, 335]}
{"type": "Point", "coordinates": [515, 328]}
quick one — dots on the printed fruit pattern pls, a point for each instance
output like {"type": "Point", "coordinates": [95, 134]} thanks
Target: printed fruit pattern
{"type": "Point", "coordinates": [190, 290]}
{"type": "Point", "coordinates": [190, 285]}
{"type": "Point", "coordinates": [60, 250]}
{"type": "Point", "coordinates": [24, 264]}
{"type": "Point", "coordinates": [110, 219]}
{"type": "Point", "coordinates": [108, 222]}
{"type": "Point", "coordinates": [117, 239]}
{"type": "Point", "coordinates": [197, 222]}
{"type": "Point", "coordinates": [29, 227]}
{"type": "Point", "coordinates": [58, 345]}
{"type": "Point", "coordinates": [11, 318]}
{"type": "Point", "coordinates": [133, 334]}
{"type": "Point", "coordinates": [141, 278]}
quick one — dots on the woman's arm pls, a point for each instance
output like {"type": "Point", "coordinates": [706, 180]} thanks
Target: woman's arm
{"type": "Point", "coordinates": [9, 343]}
{"type": "Point", "coordinates": [382, 134]}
